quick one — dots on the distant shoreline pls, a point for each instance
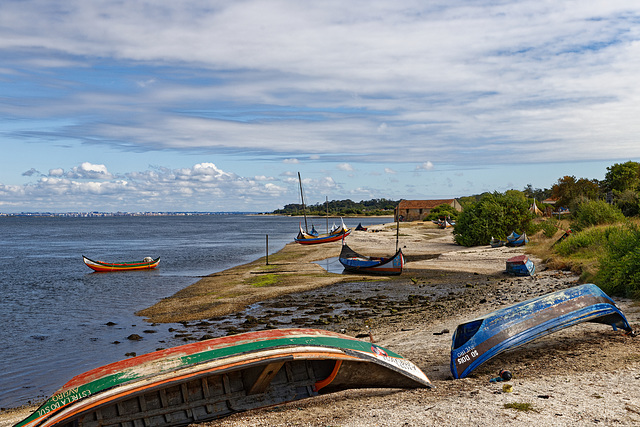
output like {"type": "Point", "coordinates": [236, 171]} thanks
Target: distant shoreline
{"type": "Point", "coordinates": [156, 214]}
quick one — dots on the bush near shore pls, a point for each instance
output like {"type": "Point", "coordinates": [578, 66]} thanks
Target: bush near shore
{"type": "Point", "coordinates": [606, 254]}
{"type": "Point", "coordinates": [603, 245]}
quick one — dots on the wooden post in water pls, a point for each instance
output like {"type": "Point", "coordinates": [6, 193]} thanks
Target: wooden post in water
{"type": "Point", "coordinates": [267, 249]}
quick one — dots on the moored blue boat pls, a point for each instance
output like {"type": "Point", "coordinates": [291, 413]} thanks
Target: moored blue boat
{"type": "Point", "coordinates": [356, 263]}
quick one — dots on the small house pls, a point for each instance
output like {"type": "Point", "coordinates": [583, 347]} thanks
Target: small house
{"type": "Point", "coordinates": [417, 210]}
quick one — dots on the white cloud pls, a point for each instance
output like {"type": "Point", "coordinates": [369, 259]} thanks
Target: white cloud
{"type": "Point", "coordinates": [204, 185]}
{"type": "Point", "coordinates": [389, 171]}
{"type": "Point", "coordinates": [345, 167]}
{"type": "Point", "coordinates": [425, 166]}
{"type": "Point", "coordinates": [89, 171]}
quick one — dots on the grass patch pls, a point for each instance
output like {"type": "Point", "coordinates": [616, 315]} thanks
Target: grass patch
{"type": "Point", "coordinates": [264, 280]}
{"type": "Point", "coordinates": [522, 407]}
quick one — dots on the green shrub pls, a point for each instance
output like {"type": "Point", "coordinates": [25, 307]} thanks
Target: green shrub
{"type": "Point", "coordinates": [619, 269]}
{"type": "Point", "coordinates": [494, 215]}
{"type": "Point", "coordinates": [590, 238]}
{"type": "Point", "coordinates": [549, 227]}
{"type": "Point", "coordinates": [614, 251]}
{"type": "Point", "coordinates": [628, 202]}
{"type": "Point", "coordinates": [595, 212]}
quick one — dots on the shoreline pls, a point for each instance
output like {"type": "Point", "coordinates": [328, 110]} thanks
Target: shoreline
{"type": "Point", "coordinates": [292, 269]}
{"type": "Point", "coordinates": [584, 374]}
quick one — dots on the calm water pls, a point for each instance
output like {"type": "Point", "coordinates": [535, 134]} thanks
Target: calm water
{"type": "Point", "coordinates": [54, 311]}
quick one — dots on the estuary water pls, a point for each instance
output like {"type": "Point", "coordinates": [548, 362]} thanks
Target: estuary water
{"type": "Point", "coordinates": [58, 318]}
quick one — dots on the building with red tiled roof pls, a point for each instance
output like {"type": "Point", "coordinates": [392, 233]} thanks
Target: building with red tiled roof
{"type": "Point", "coordinates": [417, 210]}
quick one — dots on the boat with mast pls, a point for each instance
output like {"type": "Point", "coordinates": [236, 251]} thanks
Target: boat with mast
{"type": "Point", "coordinates": [334, 234]}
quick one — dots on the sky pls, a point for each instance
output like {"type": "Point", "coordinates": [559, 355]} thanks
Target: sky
{"type": "Point", "coordinates": [194, 105]}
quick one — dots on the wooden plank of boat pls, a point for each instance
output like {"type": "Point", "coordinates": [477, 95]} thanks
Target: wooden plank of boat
{"type": "Point", "coordinates": [520, 265]}
{"type": "Point", "coordinates": [479, 340]}
{"type": "Point", "coordinates": [101, 266]}
{"type": "Point", "coordinates": [354, 262]}
{"type": "Point", "coordinates": [214, 378]}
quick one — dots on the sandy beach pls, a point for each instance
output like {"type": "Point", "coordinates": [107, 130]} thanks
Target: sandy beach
{"type": "Point", "coordinates": [584, 375]}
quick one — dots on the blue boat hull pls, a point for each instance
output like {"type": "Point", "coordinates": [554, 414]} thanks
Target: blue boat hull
{"type": "Point", "coordinates": [354, 262]}
{"type": "Point", "coordinates": [479, 340]}
{"type": "Point", "coordinates": [521, 266]}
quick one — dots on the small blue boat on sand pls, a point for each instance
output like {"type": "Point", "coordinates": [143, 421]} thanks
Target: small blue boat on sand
{"type": "Point", "coordinates": [515, 239]}
{"type": "Point", "coordinates": [520, 265]}
{"type": "Point", "coordinates": [480, 339]}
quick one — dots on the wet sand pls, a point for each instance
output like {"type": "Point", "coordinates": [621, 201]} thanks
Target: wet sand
{"type": "Point", "coordinates": [587, 374]}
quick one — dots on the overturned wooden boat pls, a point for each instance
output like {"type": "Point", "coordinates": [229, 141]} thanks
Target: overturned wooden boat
{"type": "Point", "coordinates": [520, 265]}
{"type": "Point", "coordinates": [215, 378]}
{"type": "Point", "coordinates": [356, 263]}
{"type": "Point", "coordinates": [101, 266]}
{"type": "Point", "coordinates": [479, 340]}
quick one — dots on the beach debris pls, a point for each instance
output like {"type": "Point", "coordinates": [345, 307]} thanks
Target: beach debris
{"type": "Point", "coordinates": [503, 375]}
{"type": "Point", "coordinates": [507, 388]}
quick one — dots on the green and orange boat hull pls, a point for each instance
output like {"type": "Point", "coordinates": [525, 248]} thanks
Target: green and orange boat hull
{"type": "Point", "coordinates": [103, 267]}
{"type": "Point", "coordinates": [215, 378]}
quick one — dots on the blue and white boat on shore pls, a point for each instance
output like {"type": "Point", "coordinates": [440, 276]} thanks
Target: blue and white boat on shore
{"type": "Point", "coordinates": [479, 340]}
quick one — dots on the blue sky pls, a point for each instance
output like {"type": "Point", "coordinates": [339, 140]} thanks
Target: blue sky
{"type": "Point", "coordinates": [216, 105]}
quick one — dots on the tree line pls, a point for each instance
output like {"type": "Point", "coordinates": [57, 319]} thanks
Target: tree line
{"type": "Point", "coordinates": [342, 208]}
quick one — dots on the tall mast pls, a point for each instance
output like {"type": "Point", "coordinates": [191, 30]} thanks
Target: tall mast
{"type": "Point", "coordinates": [327, 203]}
{"type": "Point", "coordinates": [304, 209]}
{"type": "Point", "coordinates": [397, 231]}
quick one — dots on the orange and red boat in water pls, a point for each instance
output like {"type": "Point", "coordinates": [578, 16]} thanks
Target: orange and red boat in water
{"type": "Point", "coordinates": [101, 266]}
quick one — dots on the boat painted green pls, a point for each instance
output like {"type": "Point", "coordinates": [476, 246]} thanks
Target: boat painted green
{"type": "Point", "coordinates": [214, 378]}
{"type": "Point", "coordinates": [101, 266]}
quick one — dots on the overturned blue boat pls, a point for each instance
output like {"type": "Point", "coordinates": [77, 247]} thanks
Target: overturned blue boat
{"type": "Point", "coordinates": [479, 340]}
